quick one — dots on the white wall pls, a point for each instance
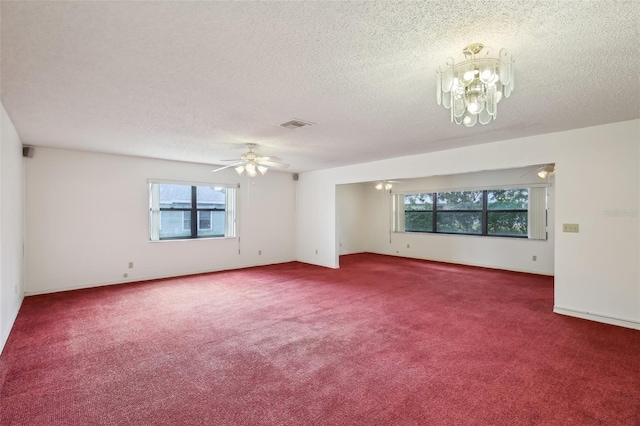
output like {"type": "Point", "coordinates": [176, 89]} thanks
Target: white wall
{"type": "Point", "coordinates": [11, 225]}
{"type": "Point", "coordinates": [597, 273]}
{"type": "Point", "coordinates": [87, 218]}
{"type": "Point", "coordinates": [316, 207]}
{"type": "Point", "coordinates": [496, 252]}
{"type": "Point", "coordinates": [351, 210]}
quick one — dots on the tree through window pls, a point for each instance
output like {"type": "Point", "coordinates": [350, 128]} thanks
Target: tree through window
{"type": "Point", "coordinates": [493, 212]}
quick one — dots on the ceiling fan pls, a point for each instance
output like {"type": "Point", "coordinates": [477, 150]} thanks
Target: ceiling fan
{"type": "Point", "coordinates": [252, 163]}
{"type": "Point", "coordinates": [543, 171]}
{"type": "Point", "coordinates": [385, 184]}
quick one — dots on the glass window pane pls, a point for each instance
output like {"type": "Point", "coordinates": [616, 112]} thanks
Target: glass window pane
{"type": "Point", "coordinates": [172, 225]}
{"type": "Point", "coordinates": [418, 221]}
{"type": "Point", "coordinates": [418, 202]}
{"type": "Point", "coordinates": [459, 222]}
{"type": "Point", "coordinates": [172, 208]}
{"type": "Point", "coordinates": [211, 198]}
{"type": "Point", "coordinates": [507, 223]}
{"type": "Point", "coordinates": [464, 200]}
{"type": "Point", "coordinates": [175, 196]}
{"type": "Point", "coordinates": [508, 199]}
{"type": "Point", "coordinates": [186, 221]}
{"type": "Point", "coordinates": [216, 221]}
{"type": "Point", "coordinates": [204, 220]}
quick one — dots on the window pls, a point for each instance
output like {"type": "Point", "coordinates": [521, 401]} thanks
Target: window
{"type": "Point", "coordinates": [493, 212]}
{"type": "Point", "coordinates": [181, 211]}
{"type": "Point", "coordinates": [418, 213]}
{"type": "Point", "coordinates": [507, 212]}
{"type": "Point", "coordinates": [459, 212]}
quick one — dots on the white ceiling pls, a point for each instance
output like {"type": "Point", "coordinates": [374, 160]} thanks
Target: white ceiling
{"type": "Point", "coordinates": [194, 81]}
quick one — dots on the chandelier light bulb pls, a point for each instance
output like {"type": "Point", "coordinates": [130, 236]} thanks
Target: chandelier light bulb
{"type": "Point", "coordinates": [475, 104]}
{"type": "Point", "coordinates": [488, 76]}
{"type": "Point", "coordinates": [387, 187]}
{"type": "Point", "coordinates": [262, 169]}
{"type": "Point", "coordinates": [469, 75]}
{"type": "Point", "coordinates": [472, 85]}
{"type": "Point", "coordinates": [239, 169]}
{"type": "Point", "coordinates": [251, 169]}
{"type": "Point", "coordinates": [379, 186]}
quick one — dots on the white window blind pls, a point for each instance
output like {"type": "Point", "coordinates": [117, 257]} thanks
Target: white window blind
{"type": "Point", "coordinates": [537, 216]}
{"type": "Point", "coordinates": [398, 213]}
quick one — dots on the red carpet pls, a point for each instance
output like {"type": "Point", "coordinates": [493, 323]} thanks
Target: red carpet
{"type": "Point", "coordinates": [381, 341]}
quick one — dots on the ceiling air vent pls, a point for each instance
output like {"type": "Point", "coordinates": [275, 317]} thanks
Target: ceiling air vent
{"type": "Point", "coordinates": [296, 124]}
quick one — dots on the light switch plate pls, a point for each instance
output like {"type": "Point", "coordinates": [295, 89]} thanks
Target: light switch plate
{"type": "Point", "coordinates": [570, 227]}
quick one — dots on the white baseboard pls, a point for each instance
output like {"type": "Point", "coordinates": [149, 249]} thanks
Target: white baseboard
{"type": "Point", "coordinates": [7, 331]}
{"type": "Point", "coordinates": [479, 265]}
{"type": "Point", "coordinates": [150, 278]}
{"type": "Point", "coordinates": [606, 319]}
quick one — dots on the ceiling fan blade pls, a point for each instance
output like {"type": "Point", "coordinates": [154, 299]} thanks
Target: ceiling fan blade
{"type": "Point", "coordinates": [233, 159]}
{"type": "Point", "coordinates": [530, 172]}
{"type": "Point", "coordinates": [272, 164]}
{"type": "Point", "coordinates": [271, 158]}
{"type": "Point", "coordinates": [226, 167]}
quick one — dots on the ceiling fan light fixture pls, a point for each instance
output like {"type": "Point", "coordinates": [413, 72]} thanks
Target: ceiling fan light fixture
{"type": "Point", "coordinates": [386, 185]}
{"type": "Point", "coordinates": [251, 169]}
{"type": "Point", "coordinates": [543, 172]}
{"type": "Point", "coordinates": [471, 86]}
{"type": "Point", "coordinates": [253, 163]}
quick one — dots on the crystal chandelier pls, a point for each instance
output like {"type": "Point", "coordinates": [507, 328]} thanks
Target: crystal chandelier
{"type": "Point", "coordinates": [472, 87]}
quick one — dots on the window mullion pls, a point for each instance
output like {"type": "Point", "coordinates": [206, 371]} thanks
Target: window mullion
{"type": "Point", "coordinates": [485, 216]}
{"type": "Point", "coordinates": [434, 216]}
{"type": "Point", "coordinates": [194, 212]}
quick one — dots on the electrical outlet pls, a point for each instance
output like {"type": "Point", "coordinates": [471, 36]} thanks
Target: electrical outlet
{"type": "Point", "coordinates": [570, 227]}
{"type": "Point", "coordinates": [534, 258]}
{"type": "Point", "coordinates": [316, 251]}
{"type": "Point", "coordinates": [130, 265]}
{"type": "Point", "coordinates": [259, 252]}
{"type": "Point", "coordinates": [125, 275]}
{"type": "Point", "coordinates": [407, 245]}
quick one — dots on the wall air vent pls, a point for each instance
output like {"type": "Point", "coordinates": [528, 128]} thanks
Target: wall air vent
{"type": "Point", "coordinates": [295, 124]}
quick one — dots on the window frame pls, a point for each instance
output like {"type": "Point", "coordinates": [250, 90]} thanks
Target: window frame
{"type": "Point", "coordinates": [484, 214]}
{"type": "Point", "coordinates": [193, 212]}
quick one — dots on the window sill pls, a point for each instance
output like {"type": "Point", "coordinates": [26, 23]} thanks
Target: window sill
{"type": "Point", "coordinates": [192, 239]}
{"type": "Point", "coordinates": [521, 238]}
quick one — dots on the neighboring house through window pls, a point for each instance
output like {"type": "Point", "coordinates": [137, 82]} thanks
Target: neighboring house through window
{"type": "Point", "coordinates": [183, 211]}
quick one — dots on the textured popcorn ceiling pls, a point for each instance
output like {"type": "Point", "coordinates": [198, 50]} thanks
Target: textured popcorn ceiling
{"type": "Point", "coordinates": [194, 81]}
